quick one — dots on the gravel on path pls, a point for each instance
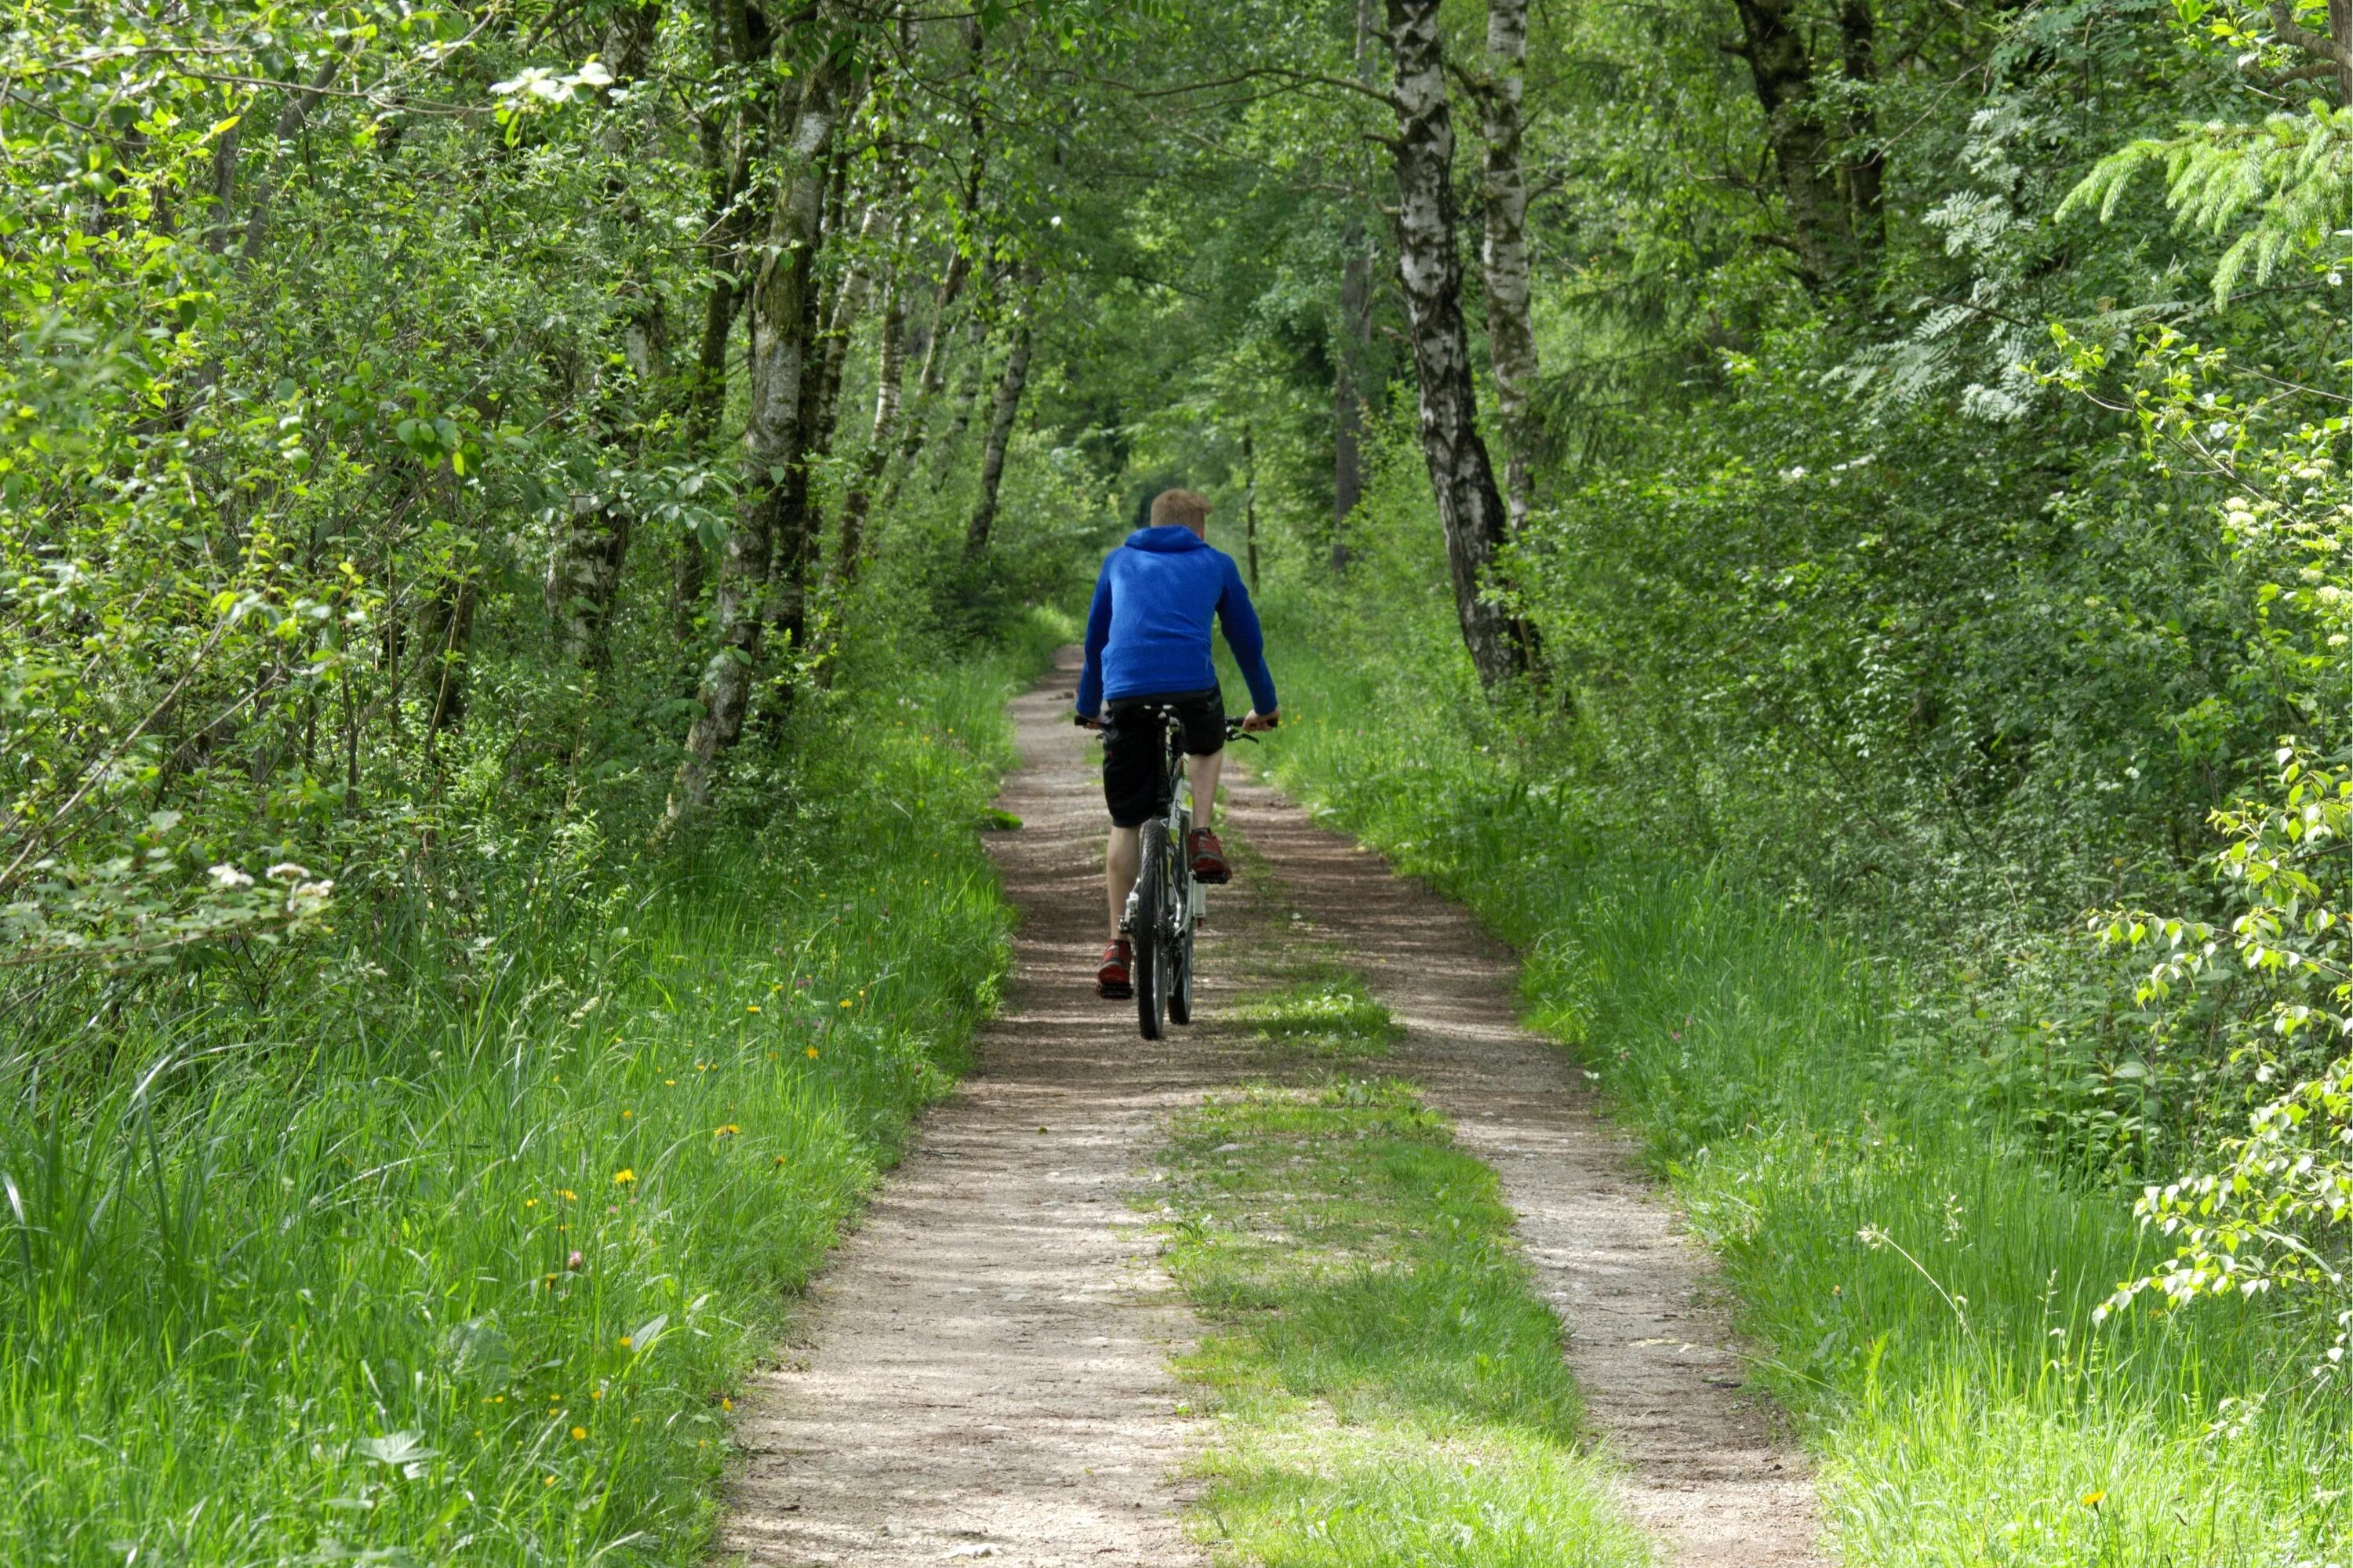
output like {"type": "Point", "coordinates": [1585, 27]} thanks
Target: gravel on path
{"type": "Point", "coordinates": [983, 1370]}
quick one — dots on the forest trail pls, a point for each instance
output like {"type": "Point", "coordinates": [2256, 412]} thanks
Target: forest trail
{"type": "Point", "coordinates": [984, 1368]}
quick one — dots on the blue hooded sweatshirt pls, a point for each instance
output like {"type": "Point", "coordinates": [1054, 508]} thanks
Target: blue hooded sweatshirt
{"type": "Point", "coordinates": [1148, 629]}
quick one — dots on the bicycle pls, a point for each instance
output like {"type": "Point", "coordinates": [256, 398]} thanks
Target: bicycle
{"type": "Point", "coordinates": [1166, 902]}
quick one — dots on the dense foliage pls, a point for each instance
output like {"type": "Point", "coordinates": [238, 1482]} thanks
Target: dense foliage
{"type": "Point", "coordinates": [464, 468]}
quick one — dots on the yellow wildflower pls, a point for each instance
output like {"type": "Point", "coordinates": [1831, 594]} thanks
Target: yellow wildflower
{"type": "Point", "coordinates": [624, 1177]}
{"type": "Point", "coordinates": [580, 1434]}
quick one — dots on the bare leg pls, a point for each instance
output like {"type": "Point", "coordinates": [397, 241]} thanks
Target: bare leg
{"type": "Point", "coordinates": [1122, 861]}
{"type": "Point", "coordinates": [1203, 772]}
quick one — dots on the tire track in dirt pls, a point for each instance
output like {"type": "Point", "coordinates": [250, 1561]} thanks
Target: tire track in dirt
{"type": "Point", "coordinates": [982, 1372]}
{"type": "Point", "coordinates": [1708, 1467]}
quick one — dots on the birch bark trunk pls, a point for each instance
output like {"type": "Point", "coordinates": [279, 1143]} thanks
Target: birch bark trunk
{"type": "Point", "coordinates": [1003, 410]}
{"type": "Point", "coordinates": [782, 320]}
{"type": "Point", "coordinates": [1511, 341]}
{"type": "Point", "coordinates": [1430, 268]}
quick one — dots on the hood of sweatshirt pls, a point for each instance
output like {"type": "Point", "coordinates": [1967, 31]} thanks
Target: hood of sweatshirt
{"type": "Point", "coordinates": [1170, 539]}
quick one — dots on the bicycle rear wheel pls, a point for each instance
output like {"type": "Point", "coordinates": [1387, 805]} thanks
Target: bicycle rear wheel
{"type": "Point", "coordinates": [1152, 936]}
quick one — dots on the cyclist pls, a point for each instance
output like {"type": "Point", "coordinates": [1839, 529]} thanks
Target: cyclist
{"type": "Point", "coordinates": [1148, 644]}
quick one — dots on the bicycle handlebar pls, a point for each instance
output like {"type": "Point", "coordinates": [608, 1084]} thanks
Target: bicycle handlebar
{"type": "Point", "coordinates": [1234, 730]}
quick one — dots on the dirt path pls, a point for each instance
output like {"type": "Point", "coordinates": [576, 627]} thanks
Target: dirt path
{"type": "Point", "coordinates": [1705, 1468]}
{"type": "Point", "coordinates": [984, 1371]}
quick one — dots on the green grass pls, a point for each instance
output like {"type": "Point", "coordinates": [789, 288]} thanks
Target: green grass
{"type": "Point", "coordinates": [1389, 1389]}
{"type": "Point", "coordinates": [459, 1256]}
{"type": "Point", "coordinates": [1950, 1378]}
{"type": "Point", "coordinates": [1327, 1010]}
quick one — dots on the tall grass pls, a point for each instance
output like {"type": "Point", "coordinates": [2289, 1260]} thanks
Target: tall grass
{"type": "Point", "coordinates": [1920, 1284]}
{"type": "Point", "coordinates": [457, 1255]}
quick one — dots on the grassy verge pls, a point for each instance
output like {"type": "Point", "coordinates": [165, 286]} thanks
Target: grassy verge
{"type": "Point", "coordinates": [1923, 1284]}
{"type": "Point", "coordinates": [461, 1263]}
{"type": "Point", "coordinates": [1389, 1390]}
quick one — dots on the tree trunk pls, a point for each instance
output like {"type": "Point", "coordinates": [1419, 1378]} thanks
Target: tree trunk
{"type": "Point", "coordinates": [1865, 163]}
{"type": "Point", "coordinates": [291, 121]}
{"type": "Point", "coordinates": [1250, 505]}
{"type": "Point", "coordinates": [706, 391]}
{"type": "Point", "coordinates": [934, 378]}
{"type": "Point", "coordinates": [449, 632]}
{"type": "Point", "coordinates": [889, 375]}
{"type": "Point", "coordinates": [1002, 411]}
{"type": "Point", "coordinates": [1356, 343]}
{"type": "Point", "coordinates": [1430, 268]}
{"type": "Point", "coordinates": [782, 301]}
{"type": "Point", "coordinates": [968, 395]}
{"type": "Point", "coordinates": [583, 578]}
{"type": "Point", "coordinates": [1511, 341]}
{"type": "Point", "coordinates": [1783, 74]}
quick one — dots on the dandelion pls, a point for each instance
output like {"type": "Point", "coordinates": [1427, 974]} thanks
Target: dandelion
{"type": "Point", "coordinates": [729, 1130]}
{"type": "Point", "coordinates": [568, 1194]}
{"type": "Point", "coordinates": [548, 1281]}
{"type": "Point", "coordinates": [627, 1115]}
{"type": "Point", "coordinates": [847, 1003]}
{"type": "Point", "coordinates": [751, 1007]}
{"type": "Point", "coordinates": [548, 1482]}
{"type": "Point", "coordinates": [812, 1052]}
{"type": "Point", "coordinates": [580, 1434]}
{"type": "Point", "coordinates": [2094, 1499]}
{"type": "Point", "coordinates": [625, 1343]}
{"type": "Point", "coordinates": [530, 1203]}
{"type": "Point", "coordinates": [624, 1177]}
{"type": "Point", "coordinates": [780, 1160]}
{"type": "Point", "coordinates": [725, 1402]}
{"type": "Point", "coordinates": [596, 1393]}
{"type": "Point", "coordinates": [672, 1082]}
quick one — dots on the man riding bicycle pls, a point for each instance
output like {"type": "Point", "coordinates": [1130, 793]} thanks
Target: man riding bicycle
{"type": "Point", "coordinates": [1148, 646]}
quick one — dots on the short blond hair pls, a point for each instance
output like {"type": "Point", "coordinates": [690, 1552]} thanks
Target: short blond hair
{"type": "Point", "coordinates": [1182, 507]}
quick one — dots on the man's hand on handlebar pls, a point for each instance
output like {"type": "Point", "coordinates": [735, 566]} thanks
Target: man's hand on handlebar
{"type": "Point", "coordinates": [1253, 722]}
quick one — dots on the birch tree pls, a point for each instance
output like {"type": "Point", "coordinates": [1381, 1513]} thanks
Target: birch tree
{"type": "Point", "coordinates": [1429, 270]}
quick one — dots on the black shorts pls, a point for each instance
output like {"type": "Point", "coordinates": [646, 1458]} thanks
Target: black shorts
{"type": "Point", "coordinates": [1131, 748]}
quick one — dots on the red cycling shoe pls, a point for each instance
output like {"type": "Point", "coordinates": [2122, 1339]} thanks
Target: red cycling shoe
{"type": "Point", "coordinates": [1111, 975]}
{"type": "Point", "coordinates": [1208, 858]}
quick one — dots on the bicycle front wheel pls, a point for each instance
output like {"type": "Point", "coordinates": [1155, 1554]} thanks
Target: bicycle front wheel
{"type": "Point", "coordinates": [1153, 934]}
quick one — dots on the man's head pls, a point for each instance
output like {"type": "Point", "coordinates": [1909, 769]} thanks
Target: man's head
{"type": "Point", "coordinates": [1182, 508]}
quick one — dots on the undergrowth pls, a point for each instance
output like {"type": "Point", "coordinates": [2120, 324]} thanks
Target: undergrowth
{"type": "Point", "coordinates": [1921, 1280]}
{"type": "Point", "coordinates": [457, 1258]}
